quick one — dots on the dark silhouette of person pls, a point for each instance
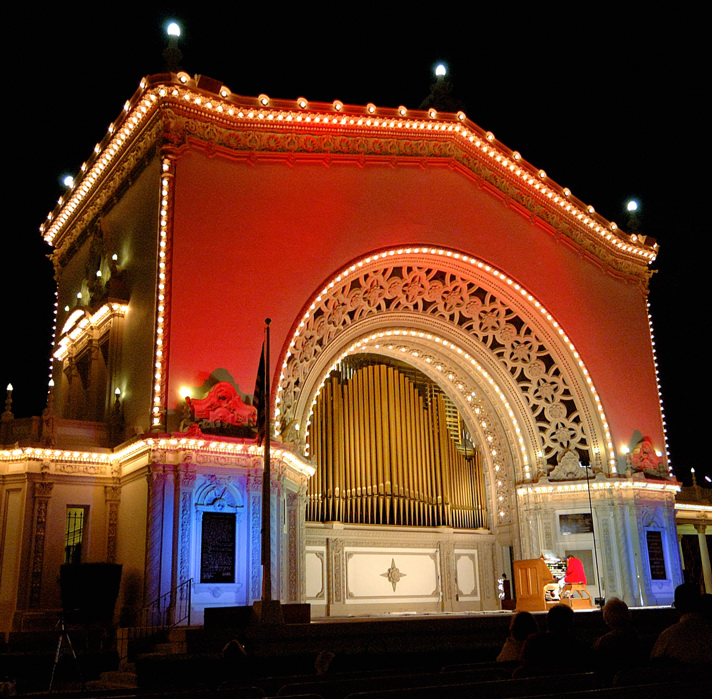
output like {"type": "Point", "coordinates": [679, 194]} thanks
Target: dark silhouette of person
{"type": "Point", "coordinates": [556, 650]}
{"type": "Point", "coordinates": [621, 647]}
{"type": "Point", "coordinates": [689, 641]}
{"type": "Point", "coordinates": [522, 626]}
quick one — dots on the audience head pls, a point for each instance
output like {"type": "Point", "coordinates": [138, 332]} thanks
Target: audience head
{"type": "Point", "coordinates": [560, 618]}
{"type": "Point", "coordinates": [523, 624]}
{"type": "Point", "coordinates": [687, 598]}
{"type": "Point", "coordinates": [616, 613]}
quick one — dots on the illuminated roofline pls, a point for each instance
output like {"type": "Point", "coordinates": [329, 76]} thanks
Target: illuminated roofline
{"type": "Point", "coordinates": [683, 506]}
{"type": "Point", "coordinates": [219, 102]}
{"type": "Point", "coordinates": [583, 486]}
{"type": "Point", "coordinates": [206, 445]}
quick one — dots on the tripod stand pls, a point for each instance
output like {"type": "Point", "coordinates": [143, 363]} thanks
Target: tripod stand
{"type": "Point", "coordinates": [64, 637]}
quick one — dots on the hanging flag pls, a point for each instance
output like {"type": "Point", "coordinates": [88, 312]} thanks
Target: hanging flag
{"type": "Point", "coordinates": [259, 400]}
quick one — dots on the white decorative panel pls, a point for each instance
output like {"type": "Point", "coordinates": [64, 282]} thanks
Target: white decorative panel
{"type": "Point", "coordinates": [383, 576]}
{"type": "Point", "coordinates": [315, 575]}
{"type": "Point", "coordinates": [467, 569]}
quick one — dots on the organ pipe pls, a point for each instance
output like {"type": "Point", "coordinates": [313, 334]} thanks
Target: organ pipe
{"type": "Point", "coordinates": [384, 455]}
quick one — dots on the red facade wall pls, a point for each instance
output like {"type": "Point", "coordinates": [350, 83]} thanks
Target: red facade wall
{"type": "Point", "coordinates": [253, 241]}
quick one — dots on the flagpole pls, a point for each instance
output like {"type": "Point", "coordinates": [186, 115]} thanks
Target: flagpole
{"type": "Point", "coordinates": [267, 481]}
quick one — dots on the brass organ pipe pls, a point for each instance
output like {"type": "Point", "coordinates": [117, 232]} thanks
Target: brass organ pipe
{"type": "Point", "coordinates": [410, 461]}
{"type": "Point", "coordinates": [415, 450]}
{"type": "Point", "coordinates": [361, 488]}
{"type": "Point", "coordinates": [393, 454]}
{"type": "Point", "coordinates": [400, 447]}
{"type": "Point", "coordinates": [373, 456]}
{"type": "Point", "coordinates": [385, 418]}
{"type": "Point", "coordinates": [379, 436]}
{"type": "Point", "coordinates": [316, 437]}
{"type": "Point", "coordinates": [384, 456]}
{"type": "Point", "coordinates": [348, 402]}
{"type": "Point", "coordinates": [362, 421]}
{"type": "Point", "coordinates": [340, 470]}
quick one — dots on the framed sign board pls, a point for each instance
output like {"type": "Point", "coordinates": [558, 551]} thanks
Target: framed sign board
{"type": "Point", "coordinates": [217, 552]}
{"type": "Point", "coordinates": [579, 523]}
{"type": "Point", "coordinates": [656, 556]}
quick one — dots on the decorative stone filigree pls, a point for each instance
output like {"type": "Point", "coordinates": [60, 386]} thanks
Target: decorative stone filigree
{"type": "Point", "coordinates": [443, 294]}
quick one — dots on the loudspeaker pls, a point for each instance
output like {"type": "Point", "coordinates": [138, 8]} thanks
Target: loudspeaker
{"type": "Point", "coordinates": [89, 592]}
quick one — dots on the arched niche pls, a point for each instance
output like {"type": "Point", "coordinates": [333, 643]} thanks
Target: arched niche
{"type": "Point", "coordinates": [503, 360]}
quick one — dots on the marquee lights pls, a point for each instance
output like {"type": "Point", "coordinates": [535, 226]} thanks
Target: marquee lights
{"type": "Point", "coordinates": [657, 382]}
{"type": "Point", "coordinates": [374, 340]}
{"type": "Point", "coordinates": [658, 486]}
{"type": "Point", "coordinates": [492, 271]}
{"type": "Point", "coordinates": [467, 133]}
{"type": "Point", "coordinates": [142, 446]}
{"type": "Point", "coordinates": [162, 288]}
{"type": "Point", "coordinates": [143, 105]}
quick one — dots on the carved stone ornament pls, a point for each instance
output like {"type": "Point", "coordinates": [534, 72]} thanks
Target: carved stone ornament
{"type": "Point", "coordinates": [393, 574]}
{"type": "Point", "coordinates": [222, 406]}
{"type": "Point", "coordinates": [643, 459]}
{"type": "Point", "coordinates": [568, 468]}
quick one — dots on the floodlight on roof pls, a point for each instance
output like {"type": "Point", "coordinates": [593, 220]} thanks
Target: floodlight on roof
{"type": "Point", "coordinates": [173, 29]}
{"type": "Point", "coordinates": [440, 70]}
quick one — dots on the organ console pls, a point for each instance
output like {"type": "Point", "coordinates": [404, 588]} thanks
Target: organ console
{"type": "Point", "coordinates": [532, 578]}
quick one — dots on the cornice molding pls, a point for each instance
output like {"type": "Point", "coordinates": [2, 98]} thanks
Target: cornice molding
{"type": "Point", "coordinates": [172, 112]}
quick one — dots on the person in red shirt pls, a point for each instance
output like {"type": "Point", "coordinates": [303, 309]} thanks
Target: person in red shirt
{"type": "Point", "coordinates": [574, 571]}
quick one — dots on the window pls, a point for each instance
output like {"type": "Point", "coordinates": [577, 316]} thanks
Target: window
{"type": "Point", "coordinates": [74, 534]}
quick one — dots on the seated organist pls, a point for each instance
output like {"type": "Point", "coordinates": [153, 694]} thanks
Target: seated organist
{"type": "Point", "coordinates": [574, 574]}
{"type": "Point", "coordinates": [543, 581]}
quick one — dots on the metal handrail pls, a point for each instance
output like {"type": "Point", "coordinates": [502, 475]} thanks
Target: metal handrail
{"type": "Point", "coordinates": [169, 610]}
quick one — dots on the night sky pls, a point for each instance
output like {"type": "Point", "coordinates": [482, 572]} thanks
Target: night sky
{"type": "Point", "coordinates": [609, 104]}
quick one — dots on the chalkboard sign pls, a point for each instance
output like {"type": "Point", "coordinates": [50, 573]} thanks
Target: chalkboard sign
{"type": "Point", "coordinates": [579, 523]}
{"type": "Point", "coordinates": [217, 553]}
{"type": "Point", "coordinates": [656, 558]}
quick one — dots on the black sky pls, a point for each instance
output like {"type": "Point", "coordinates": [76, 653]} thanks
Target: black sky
{"type": "Point", "coordinates": [609, 103]}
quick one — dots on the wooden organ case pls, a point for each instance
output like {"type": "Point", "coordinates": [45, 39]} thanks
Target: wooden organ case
{"type": "Point", "coordinates": [531, 578]}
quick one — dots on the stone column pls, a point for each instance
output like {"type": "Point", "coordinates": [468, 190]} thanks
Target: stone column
{"type": "Point", "coordinates": [184, 481]}
{"type": "Point", "coordinates": [42, 494]}
{"type": "Point", "coordinates": [705, 556]}
{"type": "Point", "coordinates": [254, 534]}
{"type": "Point", "coordinates": [112, 497]}
{"type": "Point", "coordinates": [156, 477]}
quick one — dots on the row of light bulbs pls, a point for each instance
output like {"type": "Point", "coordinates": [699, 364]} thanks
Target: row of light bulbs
{"type": "Point", "coordinates": [485, 142]}
{"type": "Point", "coordinates": [214, 446]}
{"type": "Point", "coordinates": [489, 270]}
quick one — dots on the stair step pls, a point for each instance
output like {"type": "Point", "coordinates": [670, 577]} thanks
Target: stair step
{"type": "Point", "coordinates": [114, 679]}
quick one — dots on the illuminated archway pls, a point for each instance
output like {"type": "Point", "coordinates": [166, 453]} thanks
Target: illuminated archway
{"type": "Point", "coordinates": [506, 364]}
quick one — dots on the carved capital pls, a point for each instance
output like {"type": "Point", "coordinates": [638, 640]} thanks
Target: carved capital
{"type": "Point", "coordinates": [43, 489]}
{"type": "Point", "coordinates": [112, 493]}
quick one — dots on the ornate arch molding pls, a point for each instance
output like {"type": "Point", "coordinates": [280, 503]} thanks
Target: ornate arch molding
{"type": "Point", "coordinates": [528, 367]}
